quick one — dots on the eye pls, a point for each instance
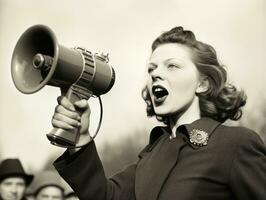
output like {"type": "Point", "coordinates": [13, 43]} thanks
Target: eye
{"type": "Point", "coordinates": [172, 66]}
{"type": "Point", "coordinates": [7, 183]}
{"type": "Point", "coordinates": [21, 184]}
{"type": "Point", "coordinates": [151, 67]}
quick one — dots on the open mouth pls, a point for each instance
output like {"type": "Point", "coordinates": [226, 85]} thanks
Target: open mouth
{"type": "Point", "coordinates": [159, 93]}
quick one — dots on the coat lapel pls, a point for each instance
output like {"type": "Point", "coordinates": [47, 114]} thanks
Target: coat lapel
{"type": "Point", "coordinates": [155, 166]}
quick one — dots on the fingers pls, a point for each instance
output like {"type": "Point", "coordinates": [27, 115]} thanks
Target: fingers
{"type": "Point", "coordinates": [61, 124]}
{"type": "Point", "coordinates": [63, 101]}
{"type": "Point", "coordinates": [69, 121]}
{"type": "Point", "coordinates": [82, 104]}
{"type": "Point", "coordinates": [70, 116]}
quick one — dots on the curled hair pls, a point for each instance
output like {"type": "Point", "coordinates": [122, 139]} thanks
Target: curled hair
{"type": "Point", "coordinates": [222, 100]}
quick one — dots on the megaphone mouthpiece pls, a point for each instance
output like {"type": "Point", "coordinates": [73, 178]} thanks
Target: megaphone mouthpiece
{"type": "Point", "coordinates": [41, 61]}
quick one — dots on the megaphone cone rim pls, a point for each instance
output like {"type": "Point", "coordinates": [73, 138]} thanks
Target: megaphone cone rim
{"type": "Point", "coordinates": [55, 58]}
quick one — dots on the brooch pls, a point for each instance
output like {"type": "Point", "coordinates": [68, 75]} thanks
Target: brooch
{"type": "Point", "coordinates": [198, 137]}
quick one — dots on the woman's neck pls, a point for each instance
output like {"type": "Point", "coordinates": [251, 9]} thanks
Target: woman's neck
{"type": "Point", "coordinates": [189, 115]}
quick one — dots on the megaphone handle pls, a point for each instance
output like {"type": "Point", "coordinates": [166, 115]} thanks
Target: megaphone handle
{"type": "Point", "coordinates": [72, 96]}
{"type": "Point", "coordinates": [67, 138]}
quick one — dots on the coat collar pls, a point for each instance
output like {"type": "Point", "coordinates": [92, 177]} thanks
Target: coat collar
{"type": "Point", "coordinates": [206, 124]}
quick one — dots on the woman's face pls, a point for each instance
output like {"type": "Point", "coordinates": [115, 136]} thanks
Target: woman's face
{"type": "Point", "coordinates": [173, 79]}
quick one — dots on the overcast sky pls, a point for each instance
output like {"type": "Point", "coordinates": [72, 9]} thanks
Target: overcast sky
{"type": "Point", "coordinates": [125, 29]}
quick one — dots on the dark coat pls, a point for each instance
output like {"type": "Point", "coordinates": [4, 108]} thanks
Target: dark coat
{"type": "Point", "coordinates": [231, 166]}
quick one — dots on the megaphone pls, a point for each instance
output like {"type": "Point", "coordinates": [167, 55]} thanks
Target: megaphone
{"type": "Point", "coordinates": [39, 60]}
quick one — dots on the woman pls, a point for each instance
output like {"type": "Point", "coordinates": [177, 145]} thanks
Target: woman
{"type": "Point", "coordinates": [194, 156]}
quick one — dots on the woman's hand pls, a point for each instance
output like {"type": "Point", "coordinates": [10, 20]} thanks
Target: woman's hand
{"type": "Point", "coordinates": [68, 116]}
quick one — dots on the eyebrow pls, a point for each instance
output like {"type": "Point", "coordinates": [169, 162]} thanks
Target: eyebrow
{"type": "Point", "coordinates": [151, 63]}
{"type": "Point", "coordinates": [165, 61]}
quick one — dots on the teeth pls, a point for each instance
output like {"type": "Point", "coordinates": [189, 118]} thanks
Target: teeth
{"type": "Point", "coordinates": [159, 92]}
{"type": "Point", "coordinates": [158, 89]}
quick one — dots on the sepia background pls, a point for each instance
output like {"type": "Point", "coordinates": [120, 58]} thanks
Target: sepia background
{"type": "Point", "coordinates": [125, 29]}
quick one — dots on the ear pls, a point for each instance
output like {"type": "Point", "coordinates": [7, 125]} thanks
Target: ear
{"type": "Point", "coordinates": [203, 85]}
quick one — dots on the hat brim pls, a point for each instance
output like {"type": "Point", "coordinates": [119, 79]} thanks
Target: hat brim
{"type": "Point", "coordinates": [27, 177]}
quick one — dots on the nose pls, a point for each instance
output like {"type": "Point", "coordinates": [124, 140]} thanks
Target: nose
{"type": "Point", "coordinates": [157, 74]}
{"type": "Point", "coordinates": [14, 189]}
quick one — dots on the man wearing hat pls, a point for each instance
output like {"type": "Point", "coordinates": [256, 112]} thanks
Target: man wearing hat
{"type": "Point", "coordinates": [47, 185]}
{"type": "Point", "coordinates": [13, 180]}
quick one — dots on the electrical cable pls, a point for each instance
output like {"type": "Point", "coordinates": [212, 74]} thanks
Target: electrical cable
{"type": "Point", "coordinates": [97, 129]}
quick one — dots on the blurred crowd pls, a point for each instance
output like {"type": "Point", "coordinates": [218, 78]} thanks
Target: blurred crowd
{"type": "Point", "coordinates": [16, 184]}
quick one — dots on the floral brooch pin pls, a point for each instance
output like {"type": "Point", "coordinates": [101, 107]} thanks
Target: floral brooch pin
{"type": "Point", "coordinates": [198, 137]}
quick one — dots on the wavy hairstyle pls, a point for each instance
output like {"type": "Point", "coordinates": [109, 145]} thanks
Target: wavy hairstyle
{"type": "Point", "coordinates": [222, 100]}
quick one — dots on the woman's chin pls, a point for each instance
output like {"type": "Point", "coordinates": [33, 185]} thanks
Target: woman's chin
{"type": "Point", "coordinates": [162, 113]}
